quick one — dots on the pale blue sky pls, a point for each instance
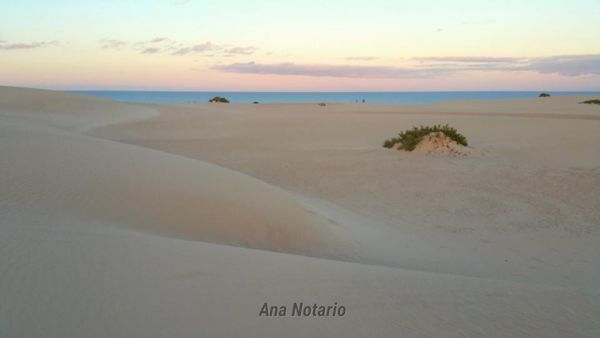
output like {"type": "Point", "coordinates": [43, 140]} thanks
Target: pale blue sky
{"type": "Point", "coordinates": [376, 33]}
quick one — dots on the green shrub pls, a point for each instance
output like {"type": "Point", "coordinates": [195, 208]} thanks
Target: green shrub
{"type": "Point", "coordinates": [594, 101]}
{"type": "Point", "coordinates": [218, 99]}
{"type": "Point", "coordinates": [410, 138]}
{"type": "Point", "coordinates": [544, 95]}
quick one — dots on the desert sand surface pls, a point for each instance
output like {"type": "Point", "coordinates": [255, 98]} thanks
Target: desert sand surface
{"type": "Point", "coordinates": [128, 220]}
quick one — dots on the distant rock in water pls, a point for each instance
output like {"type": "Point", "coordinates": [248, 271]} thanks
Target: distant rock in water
{"type": "Point", "coordinates": [218, 99]}
{"type": "Point", "coordinates": [544, 95]}
{"type": "Point", "coordinates": [255, 102]}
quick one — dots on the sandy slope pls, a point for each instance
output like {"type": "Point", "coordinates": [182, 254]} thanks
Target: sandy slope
{"type": "Point", "coordinates": [523, 209]}
{"type": "Point", "coordinates": [102, 238]}
{"type": "Point", "coordinates": [152, 191]}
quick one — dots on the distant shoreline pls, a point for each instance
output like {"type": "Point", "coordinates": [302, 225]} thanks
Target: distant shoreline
{"type": "Point", "coordinates": [170, 97]}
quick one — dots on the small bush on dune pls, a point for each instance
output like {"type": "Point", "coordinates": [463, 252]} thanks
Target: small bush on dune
{"type": "Point", "coordinates": [594, 101]}
{"type": "Point", "coordinates": [410, 138]}
{"type": "Point", "coordinates": [544, 95]}
{"type": "Point", "coordinates": [390, 143]}
{"type": "Point", "coordinates": [218, 99]}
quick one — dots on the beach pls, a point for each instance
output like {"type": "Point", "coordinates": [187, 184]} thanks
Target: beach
{"type": "Point", "coordinates": [184, 220]}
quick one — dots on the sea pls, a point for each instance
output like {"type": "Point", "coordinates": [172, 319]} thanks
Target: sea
{"type": "Point", "coordinates": [166, 97]}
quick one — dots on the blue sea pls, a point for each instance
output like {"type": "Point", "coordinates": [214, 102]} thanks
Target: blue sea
{"type": "Point", "coordinates": [304, 97]}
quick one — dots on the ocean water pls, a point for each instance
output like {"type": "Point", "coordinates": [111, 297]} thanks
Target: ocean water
{"type": "Point", "coordinates": [306, 97]}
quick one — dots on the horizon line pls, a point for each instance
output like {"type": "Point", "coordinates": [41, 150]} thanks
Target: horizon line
{"type": "Point", "coordinates": [328, 91]}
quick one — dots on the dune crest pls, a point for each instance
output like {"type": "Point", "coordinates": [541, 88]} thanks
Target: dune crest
{"type": "Point", "coordinates": [140, 188]}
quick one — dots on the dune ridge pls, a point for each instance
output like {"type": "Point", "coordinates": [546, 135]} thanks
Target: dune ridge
{"type": "Point", "coordinates": [156, 192]}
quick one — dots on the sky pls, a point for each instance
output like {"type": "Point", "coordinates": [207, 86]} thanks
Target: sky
{"type": "Point", "coordinates": [325, 45]}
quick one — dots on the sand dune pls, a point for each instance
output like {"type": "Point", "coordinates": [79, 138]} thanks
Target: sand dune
{"type": "Point", "coordinates": [66, 111]}
{"type": "Point", "coordinates": [524, 203]}
{"type": "Point", "coordinates": [118, 231]}
{"type": "Point", "coordinates": [147, 190]}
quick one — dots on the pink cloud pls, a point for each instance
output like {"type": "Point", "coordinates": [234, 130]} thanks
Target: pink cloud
{"type": "Point", "coordinates": [150, 50]}
{"type": "Point", "coordinates": [22, 45]}
{"type": "Point", "coordinates": [199, 48]}
{"type": "Point", "coordinates": [113, 44]}
{"type": "Point", "coordinates": [241, 50]}
{"type": "Point", "coordinates": [566, 65]}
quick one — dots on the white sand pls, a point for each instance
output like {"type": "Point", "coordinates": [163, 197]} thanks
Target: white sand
{"type": "Point", "coordinates": [101, 238]}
